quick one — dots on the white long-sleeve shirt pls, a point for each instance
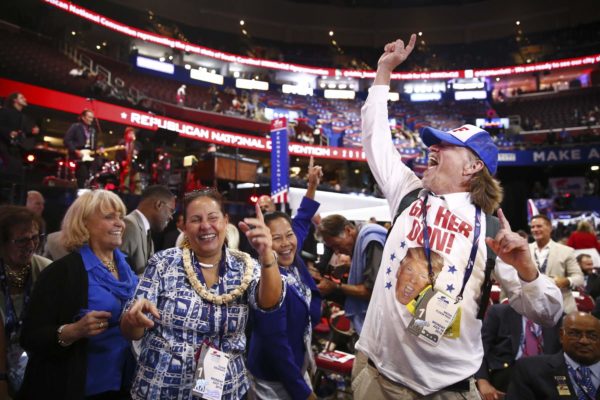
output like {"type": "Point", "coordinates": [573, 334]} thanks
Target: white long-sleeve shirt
{"type": "Point", "coordinates": [399, 355]}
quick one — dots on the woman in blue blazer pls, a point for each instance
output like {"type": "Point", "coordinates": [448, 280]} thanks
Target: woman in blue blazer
{"type": "Point", "coordinates": [280, 356]}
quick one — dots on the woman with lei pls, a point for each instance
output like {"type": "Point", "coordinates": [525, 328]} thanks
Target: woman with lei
{"type": "Point", "coordinates": [192, 304]}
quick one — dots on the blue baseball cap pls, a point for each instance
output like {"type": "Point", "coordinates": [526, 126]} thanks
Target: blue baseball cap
{"type": "Point", "coordinates": [469, 136]}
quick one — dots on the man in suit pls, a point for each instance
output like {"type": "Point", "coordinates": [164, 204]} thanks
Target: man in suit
{"type": "Point", "coordinates": [155, 210]}
{"type": "Point", "coordinates": [555, 260]}
{"type": "Point", "coordinates": [504, 343]}
{"type": "Point", "coordinates": [573, 373]}
{"type": "Point", "coordinates": [591, 278]}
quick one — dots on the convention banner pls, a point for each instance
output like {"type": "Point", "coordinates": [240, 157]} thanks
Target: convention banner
{"type": "Point", "coordinates": [61, 101]}
{"type": "Point", "coordinates": [550, 156]}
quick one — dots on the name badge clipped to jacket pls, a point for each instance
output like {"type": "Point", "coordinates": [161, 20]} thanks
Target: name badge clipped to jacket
{"type": "Point", "coordinates": [211, 369]}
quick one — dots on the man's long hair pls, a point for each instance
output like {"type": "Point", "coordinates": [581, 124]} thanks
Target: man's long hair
{"type": "Point", "coordinates": [486, 191]}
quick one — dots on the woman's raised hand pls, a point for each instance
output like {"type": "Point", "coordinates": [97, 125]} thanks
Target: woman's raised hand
{"type": "Point", "coordinates": [258, 234]}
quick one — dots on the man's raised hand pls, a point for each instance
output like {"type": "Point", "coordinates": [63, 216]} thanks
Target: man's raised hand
{"type": "Point", "coordinates": [395, 53]}
{"type": "Point", "coordinates": [513, 249]}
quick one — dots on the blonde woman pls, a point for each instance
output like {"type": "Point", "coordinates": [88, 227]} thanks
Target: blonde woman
{"type": "Point", "coordinates": [71, 329]}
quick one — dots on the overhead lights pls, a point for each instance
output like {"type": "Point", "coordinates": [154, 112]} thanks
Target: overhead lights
{"type": "Point", "coordinates": [251, 84]}
{"type": "Point", "coordinates": [297, 89]}
{"type": "Point", "coordinates": [420, 33]}
{"type": "Point", "coordinates": [98, 47]}
{"type": "Point", "coordinates": [330, 33]}
{"type": "Point", "coordinates": [205, 76]}
{"type": "Point", "coordinates": [162, 59]}
{"type": "Point", "coordinates": [518, 23]}
{"type": "Point", "coordinates": [73, 33]}
{"type": "Point", "coordinates": [242, 22]}
{"type": "Point", "coordinates": [339, 94]}
{"type": "Point", "coordinates": [393, 96]}
{"type": "Point", "coordinates": [160, 66]}
{"type": "Point", "coordinates": [595, 167]}
{"type": "Point", "coordinates": [236, 74]}
{"type": "Point", "coordinates": [188, 66]}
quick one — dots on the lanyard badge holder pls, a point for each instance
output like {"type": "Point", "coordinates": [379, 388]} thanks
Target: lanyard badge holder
{"type": "Point", "coordinates": [436, 314]}
{"type": "Point", "coordinates": [211, 369]}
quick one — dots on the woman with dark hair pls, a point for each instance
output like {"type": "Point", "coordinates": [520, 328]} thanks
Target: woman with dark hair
{"type": "Point", "coordinates": [280, 356]}
{"type": "Point", "coordinates": [19, 268]}
{"type": "Point", "coordinates": [191, 306]}
{"type": "Point", "coordinates": [71, 326]}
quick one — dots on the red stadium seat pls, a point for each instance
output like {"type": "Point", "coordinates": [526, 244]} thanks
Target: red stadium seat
{"type": "Point", "coordinates": [584, 302]}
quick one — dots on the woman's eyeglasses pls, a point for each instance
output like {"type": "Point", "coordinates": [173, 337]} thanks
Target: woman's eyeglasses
{"type": "Point", "coordinates": [23, 242]}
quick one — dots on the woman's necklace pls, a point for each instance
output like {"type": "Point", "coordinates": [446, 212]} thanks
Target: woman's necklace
{"type": "Point", "coordinates": [208, 266]}
{"type": "Point", "coordinates": [110, 265]}
{"type": "Point", "coordinates": [202, 290]}
{"type": "Point", "coordinates": [17, 278]}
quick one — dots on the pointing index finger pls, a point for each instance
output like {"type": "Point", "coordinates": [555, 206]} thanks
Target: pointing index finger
{"type": "Point", "coordinates": [504, 224]}
{"type": "Point", "coordinates": [259, 214]}
{"type": "Point", "coordinates": [411, 43]}
{"type": "Point", "coordinates": [311, 163]}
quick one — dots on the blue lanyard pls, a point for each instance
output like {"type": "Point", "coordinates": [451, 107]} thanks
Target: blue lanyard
{"type": "Point", "coordinates": [13, 322]}
{"type": "Point", "coordinates": [577, 380]}
{"type": "Point", "coordinates": [542, 267]}
{"type": "Point", "coordinates": [472, 256]}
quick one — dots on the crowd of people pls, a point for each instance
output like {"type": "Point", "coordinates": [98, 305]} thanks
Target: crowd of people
{"type": "Point", "coordinates": [111, 318]}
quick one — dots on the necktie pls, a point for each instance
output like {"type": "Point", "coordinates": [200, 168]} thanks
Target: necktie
{"type": "Point", "coordinates": [586, 388]}
{"type": "Point", "coordinates": [532, 343]}
{"type": "Point", "coordinates": [150, 243]}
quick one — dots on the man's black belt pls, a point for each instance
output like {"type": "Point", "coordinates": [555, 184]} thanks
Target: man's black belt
{"type": "Point", "coordinates": [462, 386]}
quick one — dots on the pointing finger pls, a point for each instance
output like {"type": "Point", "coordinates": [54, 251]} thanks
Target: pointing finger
{"type": "Point", "coordinates": [411, 43]}
{"type": "Point", "coordinates": [259, 214]}
{"type": "Point", "coordinates": [311, 162]}
{"type": "Point", "coordinates": [504, 224]}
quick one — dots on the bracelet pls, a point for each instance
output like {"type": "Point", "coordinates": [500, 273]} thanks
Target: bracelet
{"type": "Point", "coordinates": [274, 262]}
{"type": "Point", "coordinates": [60, 341]}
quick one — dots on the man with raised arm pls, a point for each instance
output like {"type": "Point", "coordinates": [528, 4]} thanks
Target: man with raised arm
{"type": "Point", "coordinates": [432, 345]}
